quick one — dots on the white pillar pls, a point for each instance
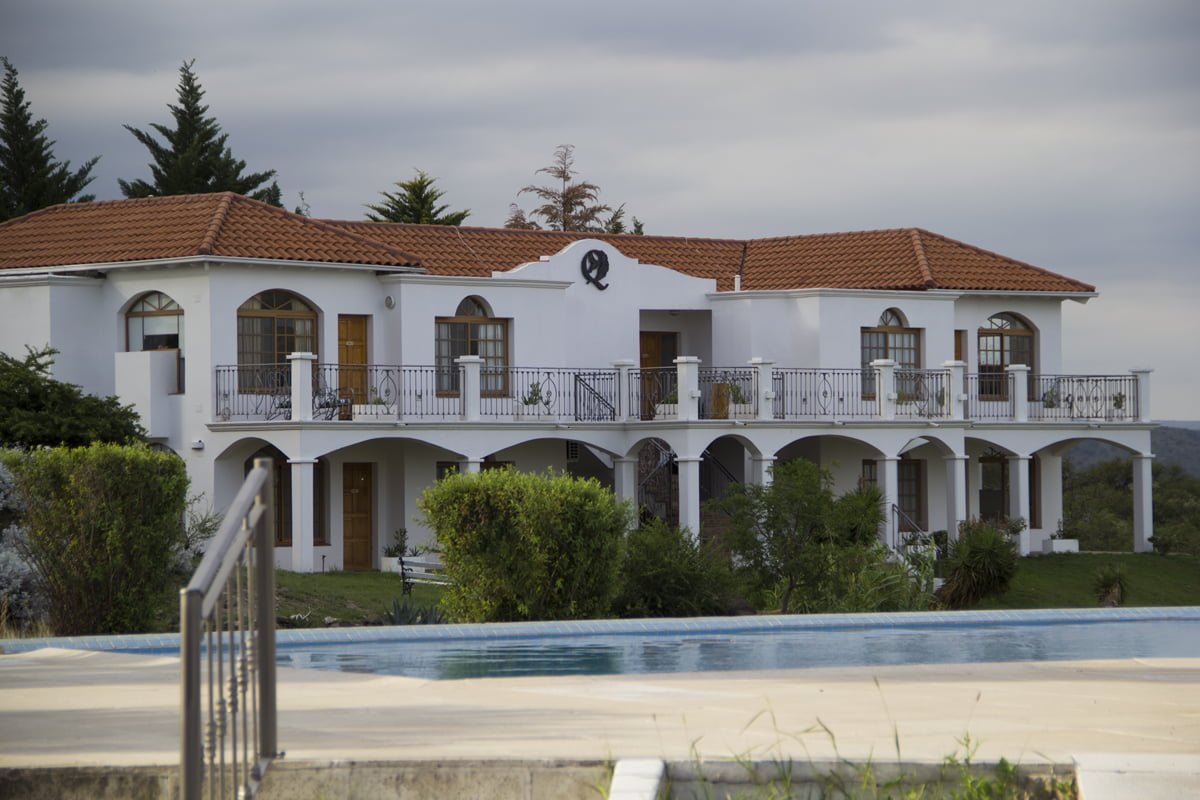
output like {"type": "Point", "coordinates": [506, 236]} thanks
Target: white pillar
{"type": "Point", "coordinates": [625, 479]}
{"type": "Point", "coordinates": [1018, 496]}
{"type": "Point", "coordinates": [302, 513]}
{"type": "Point", "coordinates": [302, 387]}
{"type": "Point", "coordinates": [469, 387]}
{"type": "Point", "coordinates": [624, 412]}
{"type": "Point", "coordinates": [956, 397]}
{"type": "Point", "coordinates": [1143, 503]}
{"type": "Point", "coordinates": [1050, 475]}
{"type": "Point", "coordinates": [974, 484]}
{"type": "Point", "coordinates": [956, 494]}
{"type": "Point", "coordinates": [760, 473]}
{"type": "Point", "coordinates": [687, 372]}
{"type": "Point", "coordinates": [470, 466]}
{"type": "Point", "coordinates": [764, 394]}
{"type": "Point", "coordinates": [1018, 386]}
{"type": "Point", "coordinates": [689, 494]}
{"type": "Point", "coordinates": [1143, 393]}
{"type": "Point", "coordinates": [885, 387]}
{"type": "Point", "coordinates": [889, 481]}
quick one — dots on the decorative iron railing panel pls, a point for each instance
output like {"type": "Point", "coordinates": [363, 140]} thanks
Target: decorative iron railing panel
{"type": "Point", "coordinates": [922, 393]}
{"type": "Point", "coordinates": [728, 393]}
{"type": "Point", "coordinates": [823, 393]}
{"type": "Point", "coordinates": [1111, 398]}
{"type": "Point", "coordinates": [553, 394]}
{"type": "Point", "coordinates": [653, 393]}
{"type": "Point", "coordinates": [250, 392]}
{"type": "Point", "coordinates": [227, 651]}
{"type": "Point", "coordinates": [989, 396]}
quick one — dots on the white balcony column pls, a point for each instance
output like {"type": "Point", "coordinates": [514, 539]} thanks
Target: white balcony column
{"type": "Point", "coordinates": [888, 477]}
{"type": "Point", "coordinates": [689, 495]}
{"type": "Point", "coordinates": [1018, 496]}
{"type": "Point", "coordinates": [1143, 503]}
{"type": "Point", "coordinates": [956, 397]}
{"type": "Point", "coordinates": [625, 479]}
{"type": "Point", "coordinates": [469, 387]}
{"type": "Point", "coordinates": [1050, 475]}
{"type": "Point", "coordinates": [302, 388]}
{"type": "Point", "coordinates": [303, 486]}
{"type": "Point", "coordinates": [974, 484]}
{"type": "Point", "coordinates": [1018, 386]}
{"type": "Point", "coordinates": [760, 470]}
{"type": "Point", "coordinates": [764, 388]}
{"type": "Point", "coordinates": [470, 466]}
{"type": "Point", "coordinates": [623, 367]}
{"type": "Point", "coordinates": [956, 494]}
{"type": "Point", "coordinates": [1142, 374]}
{"type": "Point", "coordinates": [687, 376]}
{"type": "Point", "coordinates": [885, 387]}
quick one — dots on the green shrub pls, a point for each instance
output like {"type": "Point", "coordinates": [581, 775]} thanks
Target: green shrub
{"type": "Point", "coordinates": [665, 572]}
{"type": "Point", "coordinates": [980, 563]}
{"type": "Point", "coordinates": [105, 533]}
{"type": "Point", "coordinates": [851, 578]}
{"type": "Point", "coordinates": [521, 546]}
{"type": "Point", "coordinates": [1110, 586]}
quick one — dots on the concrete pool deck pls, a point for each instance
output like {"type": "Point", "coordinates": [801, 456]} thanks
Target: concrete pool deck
{"type": "Point", "coordinates": [73, 707]}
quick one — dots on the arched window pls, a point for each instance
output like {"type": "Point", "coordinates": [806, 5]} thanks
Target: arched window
{"type": "Point", "coordinates": [1004, 341]}
{"type": "Point", "coordinates": [155, 322]}
{"type": "Point", "coordinates": [472, 331]}
{"type": "Point", "coordinates": [889, 338]}
{"type": "Point", "coordinates": [273, 324]}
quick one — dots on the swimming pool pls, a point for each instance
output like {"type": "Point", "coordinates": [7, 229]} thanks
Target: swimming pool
{"type": "Point", "coordinates": [603, 647]}
{"type": "Point", "coordinates": [750, 643]}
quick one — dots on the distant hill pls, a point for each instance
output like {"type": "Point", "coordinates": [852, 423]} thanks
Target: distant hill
{"type": "Point", "coordinates": [1171, 444]}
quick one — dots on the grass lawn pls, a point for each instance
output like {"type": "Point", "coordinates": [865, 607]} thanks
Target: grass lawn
{"type": "Point", "coordinates": [353, 598]}
{"type": "Point", "coordinates": [1065, 581]}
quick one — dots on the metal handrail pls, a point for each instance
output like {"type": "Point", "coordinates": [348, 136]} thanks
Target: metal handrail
{"type": "Point", "coordinates": [227, 620]}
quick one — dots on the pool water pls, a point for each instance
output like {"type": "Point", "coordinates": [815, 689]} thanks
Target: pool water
{"type": "Point", "coordinates": [698, 650]}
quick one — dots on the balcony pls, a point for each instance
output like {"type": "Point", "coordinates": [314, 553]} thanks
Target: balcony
{"type": "Point", "coordinates": [687, 392]}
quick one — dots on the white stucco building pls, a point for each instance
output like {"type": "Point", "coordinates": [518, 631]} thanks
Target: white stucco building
{"type": "Point", "coordinates": [368, 358]}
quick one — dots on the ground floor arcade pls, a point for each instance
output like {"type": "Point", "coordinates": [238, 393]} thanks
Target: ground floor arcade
{"type": "Point", "coordinates": [342, 493]}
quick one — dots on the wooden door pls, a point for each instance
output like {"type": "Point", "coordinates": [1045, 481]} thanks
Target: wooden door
{"type": "Point", "coordinates": [659, 349]}
{"type": "Point", "coordinates": [352, 359]}
{"type": "Point", "coordinates": [357, 516]}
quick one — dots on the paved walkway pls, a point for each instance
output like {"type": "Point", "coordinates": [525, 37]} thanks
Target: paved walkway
{"type": "Point", "coordinates": [71, 707]}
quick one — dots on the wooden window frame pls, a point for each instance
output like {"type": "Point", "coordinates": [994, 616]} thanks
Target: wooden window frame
{"type": "Point", "coordinates": [888, 329]}
{"type": "Point", "coordinates": [472, 345]}
{"type": "Point", "coordinates": [996, 374]}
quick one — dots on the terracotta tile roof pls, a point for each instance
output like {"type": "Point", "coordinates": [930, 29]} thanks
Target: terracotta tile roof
{"type": "Point", "coordinates": [447, 250]}
{"type": "Point", "coordinates": [220, 224]}
{"type": "Point", "coordinates": [231, 225]}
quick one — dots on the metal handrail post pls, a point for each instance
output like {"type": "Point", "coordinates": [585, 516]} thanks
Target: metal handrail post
{"type": "Point", "coordinates": [264, 565]}
{"type": "Point", "coordinates": [191, 744]}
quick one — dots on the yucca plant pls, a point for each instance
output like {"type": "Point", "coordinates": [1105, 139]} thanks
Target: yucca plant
{"type": "Point", "coordinates": [979, 564]}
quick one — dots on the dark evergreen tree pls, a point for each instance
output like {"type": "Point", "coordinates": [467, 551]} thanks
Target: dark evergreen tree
{"type": "Point", "coordinates": [416, 202]}
{"type": "Point", "coordinates": [30, 178]}
{"type": "Point", "coordinates": [193, 157]}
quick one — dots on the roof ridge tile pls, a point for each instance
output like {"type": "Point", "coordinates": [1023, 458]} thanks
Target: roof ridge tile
{"type": "Point", "coordinates": [922, 260]}
{"type": "Point", "coordinates": [213, 234]}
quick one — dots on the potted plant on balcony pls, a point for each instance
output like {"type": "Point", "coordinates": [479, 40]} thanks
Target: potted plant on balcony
{"type": "Point", "coordinates": [376, 409]}
{"type": "Point", "coordinates": [669, 407]}
{"type": "Point", "coordinates": [741, 406]}
{"type": "Point", "coordinates": [532, 403]}
{"type": "Point", "coordinates": [1117, 409]}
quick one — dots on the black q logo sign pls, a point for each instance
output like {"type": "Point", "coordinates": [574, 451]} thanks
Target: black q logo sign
{"type": "Point", "coordinates": [594, 266]}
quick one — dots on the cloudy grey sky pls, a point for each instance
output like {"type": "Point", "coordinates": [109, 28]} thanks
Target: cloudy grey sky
{"type": "Point", "coordinates": [1062, 133]}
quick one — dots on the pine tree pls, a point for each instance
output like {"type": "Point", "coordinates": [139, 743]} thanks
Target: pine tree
{"type": "Point", "coordinates": [571, 205]}
{"type": "Point", "coordinates": [30, 178]}
{"type": "Point", "coordinates": [194, 157]}
{"type": "Point", "coordinates": [416, 202]}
